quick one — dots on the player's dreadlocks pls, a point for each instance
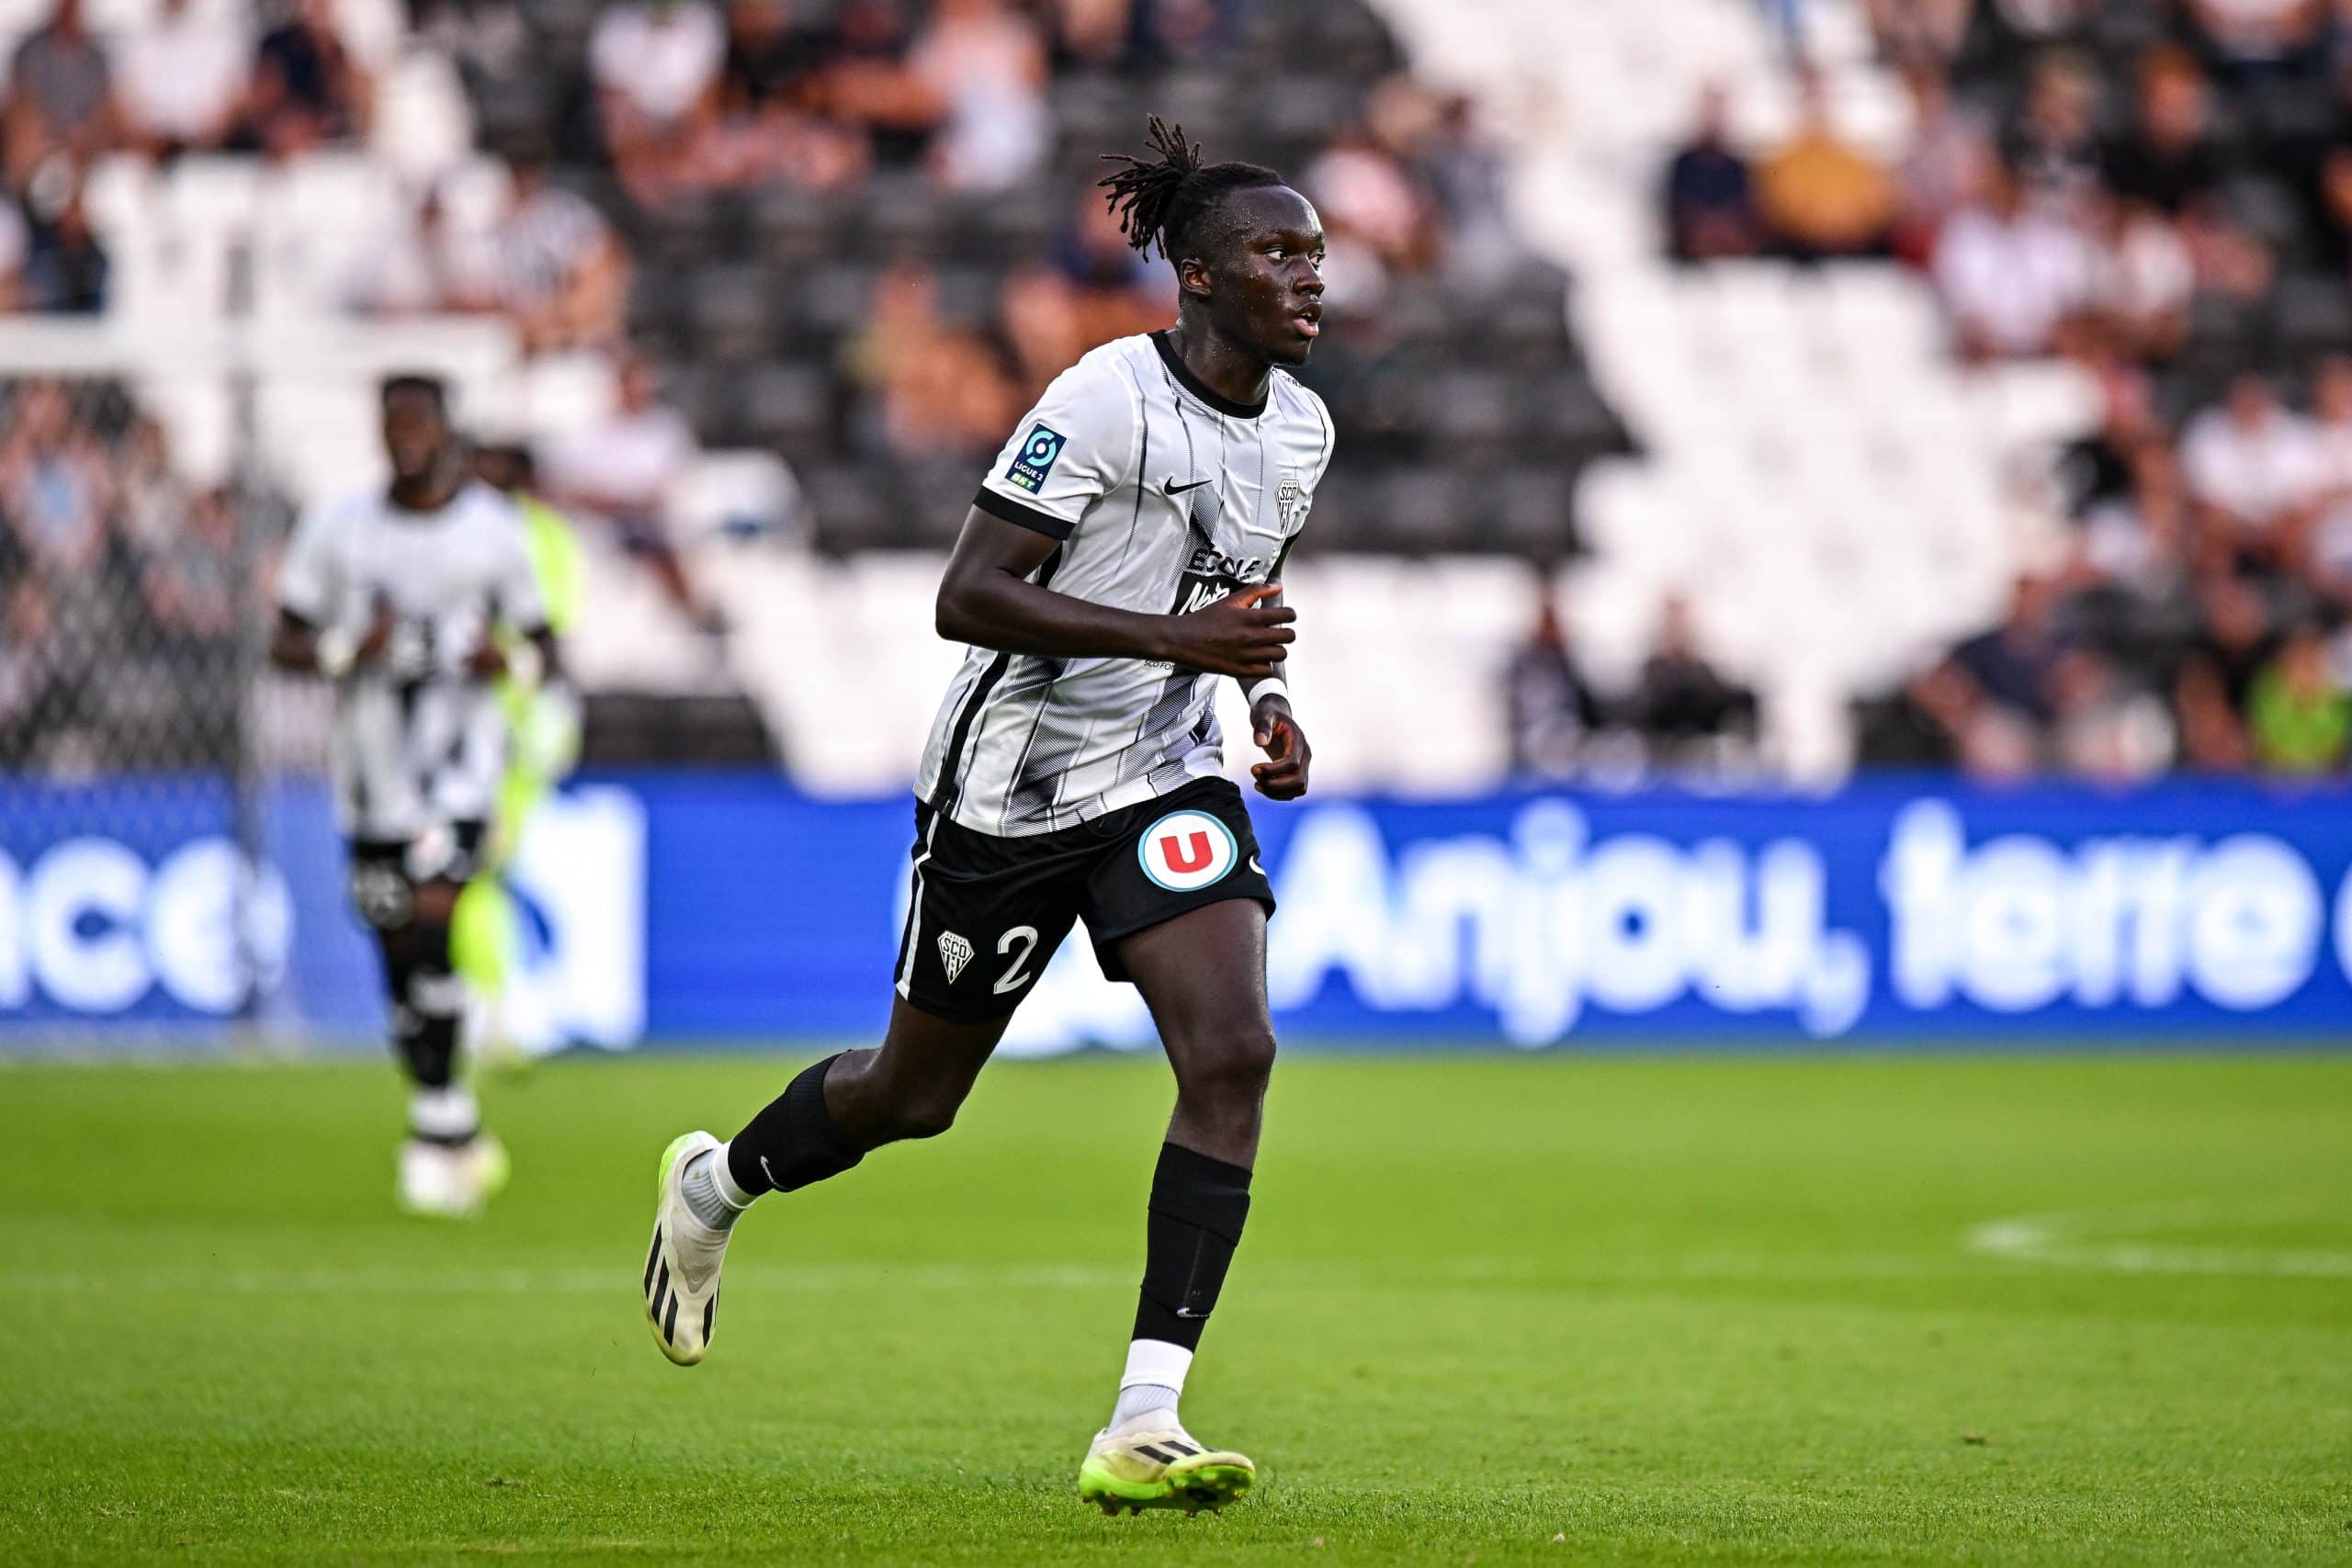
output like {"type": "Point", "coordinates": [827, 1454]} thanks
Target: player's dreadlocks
{"type": "Point", "coordinates": [1163, 199]}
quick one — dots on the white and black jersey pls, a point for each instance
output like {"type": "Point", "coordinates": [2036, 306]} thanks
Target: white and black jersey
{"type": "Point", "coordinates": [1165, 497]}
{"type": "Point", "coordinates": [420, 743]}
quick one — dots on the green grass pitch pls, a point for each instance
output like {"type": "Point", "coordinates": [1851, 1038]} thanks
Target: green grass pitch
{"type": "Point", "coordinates": [1982, 1309]}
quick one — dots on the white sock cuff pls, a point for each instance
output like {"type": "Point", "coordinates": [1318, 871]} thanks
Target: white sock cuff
{"type": "Point", "coordinates": [444, 1112]}
{"type": "Point", "coordinates": [723, 1178]}
{"type": "Point", "coordinates": [1156, 1362]}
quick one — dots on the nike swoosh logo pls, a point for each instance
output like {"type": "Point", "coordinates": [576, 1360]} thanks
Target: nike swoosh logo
{"type": "Point", "coordinates": [1169, 487]}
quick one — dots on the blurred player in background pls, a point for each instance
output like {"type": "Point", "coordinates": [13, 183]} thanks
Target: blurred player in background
{"type": "Point", "coordinates": [1120, 557]}
{"type": "Point", "coordinates": [407, 599]}
{"type": "Point", "coordinates": [543, 728]}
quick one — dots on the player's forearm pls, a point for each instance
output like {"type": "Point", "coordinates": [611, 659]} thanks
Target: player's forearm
{"type": "Point", "coordinates": [1014, 615]}
{"type": "Point", "coordinates": [294, 646]}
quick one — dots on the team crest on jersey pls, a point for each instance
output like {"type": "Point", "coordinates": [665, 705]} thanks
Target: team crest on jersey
{"type": "Point", "coordinates": [1187, 849]}
{"type": "Point", "coordinates": [1291, 498]}
{"type": "Point", "coordinates": [1035, 459]}
{"type": "Point", "coordinates": [954, 954]}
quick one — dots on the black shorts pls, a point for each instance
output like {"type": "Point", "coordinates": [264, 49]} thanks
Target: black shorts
{"type": "Point", "coordinates": [985, 912]}
{"type": "Point", "coordinates": [386, 873]}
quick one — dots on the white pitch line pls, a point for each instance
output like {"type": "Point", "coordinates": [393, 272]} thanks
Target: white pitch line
{"type": "Point", "coordinates": [2112, 1241]}
{"type": "Point", "coordinates": [1516, 1273]}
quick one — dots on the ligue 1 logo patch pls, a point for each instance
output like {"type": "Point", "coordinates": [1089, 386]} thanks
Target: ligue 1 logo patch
{"type": "Point", "coordinates": [1035, 459]}
{"type": "Point", "coordinates": [1186, 849]}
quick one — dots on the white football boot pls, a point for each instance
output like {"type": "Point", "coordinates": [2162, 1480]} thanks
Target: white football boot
{"type": "Point", "coordinates": [450, 1183]}
{"type": "Point", "coordinates": [1152, 1462]}
{"type": "Point", "coordinates": [682, 1266]}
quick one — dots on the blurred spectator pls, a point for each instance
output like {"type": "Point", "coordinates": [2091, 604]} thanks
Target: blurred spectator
{"type": "Point", "coordinates": [987, 65]}
{"type": "Point", "coordinates": [2095, 469]}
{"type": "Point", "coordinates": [61, 97]}
{"type": "Point", "coordinates": [2012, 662]}
{"type": "Point", "coordinates": [2331, 426]}
{"type": "Point", "coordinates": [1929, 32]}
{"type": "Point", "coordinates": [1709, 197]}
{"type": "Point", "coordinates": [655, 63]}
{"type": "Point", "coordinates": [2053, 144]}
{"type": "Point", "coordinates": [2144, 280]}
{"type": "Point", "coordinates": [2105, 728]}
{"type": "Point", "coordinates": [1458, 163]}
{"type": "Point", "coordinates": [1366, 199]}
{"type": "Point", "coordinates": [2216, 679]}
{"type": "Point", "coordinates": [306, 90]}
{"type": "Point", "coordinates": [2258, 36]}
{"type": "Point", "coordinates": [2167, 158]}
{"type": "Point", "coordinates": [627, 469]}
{"type": "Point", "coordinates": [153, 499]}
{"type": "Point", "coordinates": [867, 82]}
{"type": "Point", "coordinates": [2140, 540]}
{"type": "Point", "coordinates": [562, 275]}
{"type": "Point", "coordinates": [182, 77]}
{"type": "Point", "coordinates": [2009, 275]}
{"type": "Point", "coordinates": [1944, 165]}
{"type": "Point", "coordinates": [2233, 264]}
{"type": "Point", "coordinates": [66, 268]}
{"type": "Point", "coordinates": [421, 266]}
{"type": "Point", "coordinates": [55, 489]}
{"type": "Point", "coordinates": [1553, 708]}
{"type": "Point", "coordinates": [1820, 195]}
{"type": "Point", "coordinates": [2298, 712]}
{"type": "Point", "coordinates": [1679, 699]}
{"type": "Point", "coordinates": [2254, 466]}
{"type": "Point", "coordinates": [765, 131]}
{"type": "Point", "coordinates": [1094, 288]}
{"type": "Point", "coordinates": [16, 250]}
{"type": "Point", "coordinates": [191, 580]}
{"type": "Point", "coordinates": [938, 389]}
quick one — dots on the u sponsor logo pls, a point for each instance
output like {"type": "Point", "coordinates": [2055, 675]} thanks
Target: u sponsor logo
{"type": "Point", "coordinates": [1186, 849]}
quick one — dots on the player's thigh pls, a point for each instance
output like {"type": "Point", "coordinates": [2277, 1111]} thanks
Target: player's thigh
{"type": "Point", "coordinates": [1203, 974]}
{"type": "Point", "coordinates": [984, 914]}
{"type": "Point", "coordinates": [1193, 849]}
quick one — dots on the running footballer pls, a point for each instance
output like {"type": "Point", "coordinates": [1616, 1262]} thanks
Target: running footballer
{"type": "Point", "coordinates": [1123, 556]}
{"type": "Point", "coordinates": [406, 598]}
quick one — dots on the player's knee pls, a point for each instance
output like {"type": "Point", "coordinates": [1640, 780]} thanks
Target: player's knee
{"type": "Point", "coordinates": [1231, 1067]}
{"type": "Point", "coordinates": [927, 1117]}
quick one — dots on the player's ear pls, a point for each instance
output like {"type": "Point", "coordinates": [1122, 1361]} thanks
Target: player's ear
{"type": "Point", "coordinates": [1193, 278]}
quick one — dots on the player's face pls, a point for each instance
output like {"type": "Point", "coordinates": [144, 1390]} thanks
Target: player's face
{"type": "Point", "coordinates": [416, 435]}
{"type": "Point", "coordinates": [1267, 278]}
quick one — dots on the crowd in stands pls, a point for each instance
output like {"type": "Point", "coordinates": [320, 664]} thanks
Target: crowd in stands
{"type": "Point", "coordinates": [186, 84]}
{"type": "Point", "coordinates": [2161, 192]}
{"type": "Point", "coordinates": [864, 233]}
{"type": "Point", "coordinates": [125, 593]}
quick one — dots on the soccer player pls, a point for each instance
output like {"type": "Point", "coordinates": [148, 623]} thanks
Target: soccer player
{"type": "Point", "coordinates": [1123, 553]}
{"type": "Point", "coordinates": [400, 597]}
{"type": "Point", "coordinates": [543, 721]}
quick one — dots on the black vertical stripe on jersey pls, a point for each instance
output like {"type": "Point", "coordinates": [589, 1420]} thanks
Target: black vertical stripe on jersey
{"type": "Point", "coordinates": [951, 766]}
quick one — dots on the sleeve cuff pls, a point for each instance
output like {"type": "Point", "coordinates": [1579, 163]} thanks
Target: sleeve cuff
{"type": "Point", "coordinates": [1012, 511]}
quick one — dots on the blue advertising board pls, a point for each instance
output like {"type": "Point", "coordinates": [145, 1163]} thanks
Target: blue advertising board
{"type": "Point", "coordinates": [684, 907]}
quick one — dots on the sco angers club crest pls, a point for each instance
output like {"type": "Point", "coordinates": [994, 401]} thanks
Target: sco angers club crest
{"type": "Point", "coordinates": [1187, 849]}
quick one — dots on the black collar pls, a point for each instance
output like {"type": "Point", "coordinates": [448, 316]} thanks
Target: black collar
{"type": "Point", "coordinates": [1200, 389]}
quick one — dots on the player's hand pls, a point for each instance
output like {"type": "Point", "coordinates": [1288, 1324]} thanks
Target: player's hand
{"type": "Point", "coordinates": [372, 648]}
{"type": "Point", "coordinates": [1236, 635]}
{"type": "Point", "coordinates": [1282, 776]}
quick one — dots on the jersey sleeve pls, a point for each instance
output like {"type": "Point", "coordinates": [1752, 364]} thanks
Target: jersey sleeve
{"type": "Point", "coordinates": [1071, 450]}
{"type": "Point", "coordinates": [308, 579]}
{"type": "Point", "coordinates": [522, 599]}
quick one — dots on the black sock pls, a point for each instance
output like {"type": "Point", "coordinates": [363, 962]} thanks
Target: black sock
{"type": "Point", "coordinates": [791, 1143]}
{"type": "Point", "coordinates": [1198, 1205]}
{"type": "Point", "coordinates": [428, 1007]}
